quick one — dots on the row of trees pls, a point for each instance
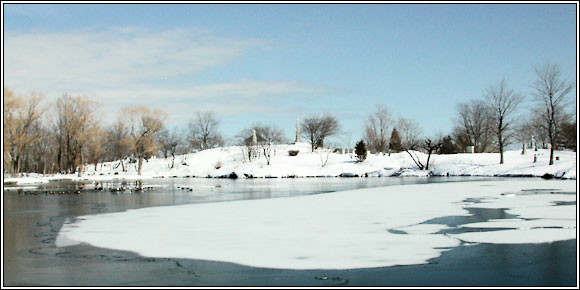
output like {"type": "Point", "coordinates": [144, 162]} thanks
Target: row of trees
{"type": "Point", "coordinates": [64, 136]}
{"type": "Point", "coordinates": [74, 136]}
{"type": "Point", "coordinates": [489, 124]}
{"type": "Point", "coordinates": [492, 123]}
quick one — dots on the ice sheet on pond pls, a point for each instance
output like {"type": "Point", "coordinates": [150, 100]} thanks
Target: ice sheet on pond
{"type": "Point", "coordinates": [519, 236]}
{"type": "Point", "coordinates": [373, 227]}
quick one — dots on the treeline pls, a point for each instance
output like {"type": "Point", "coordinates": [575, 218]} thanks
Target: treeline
{"type": "Point", "coordinates": [66, 136]}
{"type": "Point", "coordinates": [74, 136]}
{"type": "Point", "coordinates": [490, 123]}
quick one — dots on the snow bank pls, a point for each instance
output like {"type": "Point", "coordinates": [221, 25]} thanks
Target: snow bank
{"type": "Point", "coordinates": [24, 180]}
{"type": "Point", "coordinates": [222, 162]}
{"type": "Point", "coordinates": [373, 227]}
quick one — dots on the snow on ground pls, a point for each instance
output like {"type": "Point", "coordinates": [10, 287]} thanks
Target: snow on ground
{"type": "Point", "coordinates": [373, 227]}
{"type": "Point", "coordinates": [25, 180]}
{"type": "Point", "coordinates": [221, 162]}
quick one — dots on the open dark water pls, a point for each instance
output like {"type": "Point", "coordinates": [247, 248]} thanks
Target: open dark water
{"type": "Point", "coordinates": [33, 216]}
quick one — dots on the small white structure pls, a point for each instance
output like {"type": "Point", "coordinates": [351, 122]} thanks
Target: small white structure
{"type": "Point", "coordinates": [470, 149]}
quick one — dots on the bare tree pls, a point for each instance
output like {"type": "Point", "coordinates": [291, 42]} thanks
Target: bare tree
{"type": "Point", "coordinates": [310, 129]}
{"type": "Point", "coordinates": [409, 133]}
{"type": "Point", "coordinates": [96, 145]}
{"type": "Point", "coordinates": [346, 139]}
{"type": "Point", "coordinates": [428, 145]}
{"type": "Point", "coordinates": [412, 143]}
{"type": "Point", "coordinates": [248, 141]}
{"type": "Point", "coordinates": [266, 137]}
{"type": "Point", "coordinates": [377, 129]}
{"type": "Point", "coordinates": [203, 131]}
{"type": "Point", "coordinates": [20, 116]}
{"type": "Point", "coordinates": [270, 134]}
{"type": "Point", "coordinates": [529, 132]}
{"type": "Point", "coordinates": [550, 94]}
{"type": "Point", "coordinates": [431, 145]}
{"type": "Point", "coordinates": [76, 116]}
{"type": "Point", "coordinates": [503, 102]}
{"type": "Point", "coordinates": [170, 143]}
{"type": "Point", "coordinates": [317, 128]}
{"type": "Point", "coordinates": [118, 143]}
{"type": "Point", "coordinates": [143, 124]}
{"type": "Point", "coordinates": [474, 125]}
{"type": "Point", "coordinates": [42, 154]}
{"type": "Point", "coordinates": [324, 154]}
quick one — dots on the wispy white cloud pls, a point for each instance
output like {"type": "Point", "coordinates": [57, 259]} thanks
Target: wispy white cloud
{"type": "Point", "coordinates": [133, 65]}
{"type": "Point", "coordinates": [86, 59]}
{"type": "Point", "coordinates": [230, 99]}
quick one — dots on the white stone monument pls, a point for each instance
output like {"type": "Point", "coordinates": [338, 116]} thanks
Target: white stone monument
{"type": "Point", "coordinates": [297, 131]}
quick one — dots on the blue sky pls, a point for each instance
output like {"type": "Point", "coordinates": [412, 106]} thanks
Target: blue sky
{"type": "Point", "coordinates": [278, 63]}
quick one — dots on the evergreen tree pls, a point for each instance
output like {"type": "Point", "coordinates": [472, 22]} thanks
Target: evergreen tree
{"type": "Point", "coordinates": [447, 146]}
{"type": "Point", "coordinates": [568, 137]}
{"type": "Point", "coordinates": [395, 143]}
{"type": "Point", "coordinates": [360, 151]}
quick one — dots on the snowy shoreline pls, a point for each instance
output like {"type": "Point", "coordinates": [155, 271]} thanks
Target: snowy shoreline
{"type": "Point", "coordinates": [230, 162]}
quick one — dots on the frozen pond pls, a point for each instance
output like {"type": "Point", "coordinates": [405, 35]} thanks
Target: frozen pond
{"type": "Point", "coordinates": [33, 216]}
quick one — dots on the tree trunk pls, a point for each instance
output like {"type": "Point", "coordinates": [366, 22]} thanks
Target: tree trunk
{"type": "Point", "coordinates": [139, 165]}
{"type": "Point", "coordinates": [81, 165]}
{"type": "Point", "coordinates": [500, 151]}
{"type": "Point", "coordinates": [59, 155]}
{"type": "Point", "coordinates": [415, 160]}
{"type": "Point", "coordinates": [500, 140]}
{"type": "Point", "coordinates": [17, 169]}
{"type": "Point", "coordinates": [552, 143]}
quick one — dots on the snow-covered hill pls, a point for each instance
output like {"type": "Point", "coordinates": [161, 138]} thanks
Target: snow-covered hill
{"type": "Point", "coordinates": [222, 162]}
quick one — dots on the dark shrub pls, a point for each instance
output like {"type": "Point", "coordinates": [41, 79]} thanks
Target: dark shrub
{"type": "Point", "coordinates": [360, 151]}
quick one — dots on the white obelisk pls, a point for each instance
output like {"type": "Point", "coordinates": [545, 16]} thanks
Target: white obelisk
{"type": "Point", "coordinates": [297, 130]}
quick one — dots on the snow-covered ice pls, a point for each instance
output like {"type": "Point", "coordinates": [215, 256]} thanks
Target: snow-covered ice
{"type": "Point", "coordinates": [519, 236]}
{"type": "Point", "coordinates": [373, 227]}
